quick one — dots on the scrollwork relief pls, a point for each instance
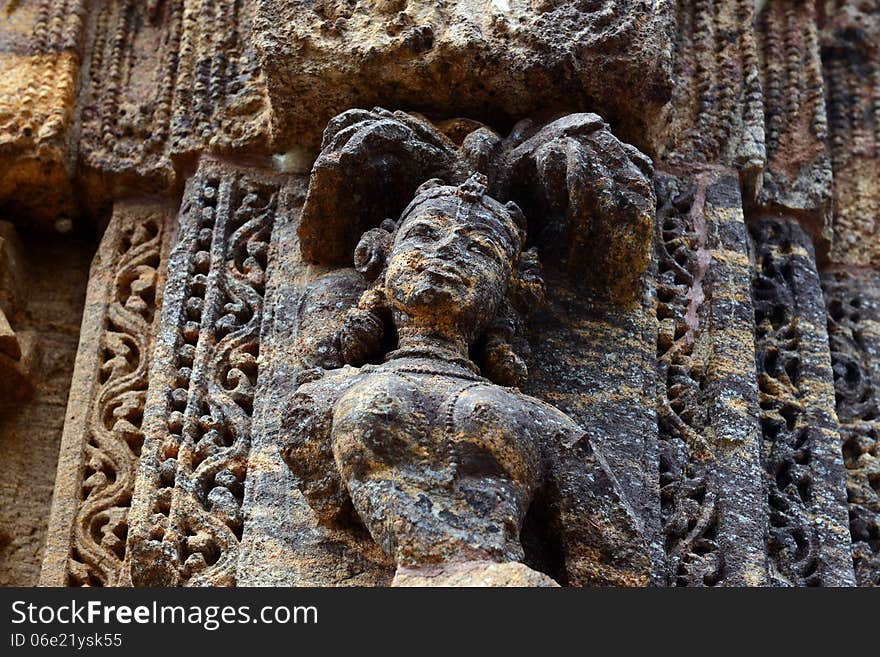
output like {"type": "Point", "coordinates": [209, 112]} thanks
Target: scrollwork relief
{"type": "Point", "coordinates": [190, 517]}
{"type": "Point", "coordinates": [853, 315]}
{"type": "Point", "coordinates": [688, 490]}
{"type": "Point", "coordinates": [801, 454]}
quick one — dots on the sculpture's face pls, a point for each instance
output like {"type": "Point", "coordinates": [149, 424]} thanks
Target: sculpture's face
{"type": "Point", "coordinates": [450, 264]}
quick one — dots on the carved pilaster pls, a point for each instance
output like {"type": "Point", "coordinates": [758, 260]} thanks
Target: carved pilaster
{"type": "Point", "coordinates": [166, 79]}
{"type": "Point", "coordinates": [40, 52]}
{"type": "Point", "coordinates": [186, 519]}
{"type": "Point", "coordinates": [718, 115]}
{"type": "Point", "coordinates": [798, 174]}
{"type": "Point", "coordinates": [851, 69]}
{"type": "Point", "coordinates": [710, 483]}
{"type": "Point", "coordinates": [808, 541]}
{"type": "Point", "coordinates": [103, 433]}
{"type": "Point", "coordinates": [853, 302]}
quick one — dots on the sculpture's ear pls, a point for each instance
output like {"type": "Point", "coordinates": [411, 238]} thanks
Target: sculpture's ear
{"type": "Point", "coordinates": [369, 167]}
{"type": "Point", "coordinates": [371, 252]}
{"type": "Point", "coordinates": [593, 195]}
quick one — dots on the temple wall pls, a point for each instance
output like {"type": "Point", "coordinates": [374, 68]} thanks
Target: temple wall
{"type": "Point", "coordinates": [694, 190]}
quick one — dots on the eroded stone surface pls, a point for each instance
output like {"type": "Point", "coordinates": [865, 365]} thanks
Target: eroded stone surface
{"type": "Point", "coordinates": [473, 574]}
{"type": "Point", "coordinates": [581, 187]}
{"type": "Point", "coordinates": [51, 278]}
{"type": "Point", "coordinates": [186, 520]}
{"type": "Point", "coordinates": [809, 544]}
{"type": "Point", "coordinates": [283, 543]}
{"type": "Point", "coordinates": [40, 53]}
{"type": "Point", "coordinates": [711, 497]}
{"type": "Point", "coordinates": [495, 61]}
{"type": "Point", "coordinates": [853, 300]}
{"type": "Point", "coordinates": [166, 81]}
{"type": "Point", "coordinates": [700, 370]}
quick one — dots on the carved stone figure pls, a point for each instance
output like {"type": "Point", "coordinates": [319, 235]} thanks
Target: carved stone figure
{"type": "Point", "coordinates": [439, 462]}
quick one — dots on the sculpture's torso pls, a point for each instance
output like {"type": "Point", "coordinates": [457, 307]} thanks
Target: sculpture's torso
{"type": "Point", "coordinates": [440, 463]}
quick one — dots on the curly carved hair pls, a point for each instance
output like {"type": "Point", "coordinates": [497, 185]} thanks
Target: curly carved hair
{"type": "Point", "coordinates": [367, 326]}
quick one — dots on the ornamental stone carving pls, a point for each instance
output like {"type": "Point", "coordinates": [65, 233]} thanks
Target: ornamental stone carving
{"type": "Point", "coordinates": [486, 292]}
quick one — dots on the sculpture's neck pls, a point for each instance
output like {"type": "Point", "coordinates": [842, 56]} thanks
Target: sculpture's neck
{"type": "Point", "coordinates": [413, 343]}
{"type": "Point", "coordinates": [415, 339]}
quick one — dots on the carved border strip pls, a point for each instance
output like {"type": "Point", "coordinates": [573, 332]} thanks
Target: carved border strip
{"type": "Point", "coordinates": [206, 85]}
{"type": "Point", "coordinates": [710, 484]}
{"type": "Point", "coordinates": [102, 433]}
{"type": "Point", "coordinates": [808, 541]}
{"type": "Point", "coordinates": [853, 303]}
{"type": "Point", "coordinates": [187, 517]}
{"type": "Point", "coordinates": [719, 115]}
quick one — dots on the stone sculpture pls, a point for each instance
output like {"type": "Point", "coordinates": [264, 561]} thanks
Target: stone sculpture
{"type": "Point", "coordinates": [439, 462]}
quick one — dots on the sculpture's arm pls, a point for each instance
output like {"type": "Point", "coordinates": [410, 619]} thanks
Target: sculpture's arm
{"type": "Point", "coordinates": [305, 442]}
{"type": "Point", "coordinates": [601, 537]}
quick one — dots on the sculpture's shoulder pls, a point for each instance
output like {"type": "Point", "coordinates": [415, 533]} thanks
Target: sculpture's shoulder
{"type": "Point", "coordinates": [519, 412]}
{"type": "Point", "coordinates": [556, 426]}
{"type": "Point", "coordinates": [319, 385]}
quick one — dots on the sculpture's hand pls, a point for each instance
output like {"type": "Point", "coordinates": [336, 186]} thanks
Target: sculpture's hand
{"type": "Point", "coordinates": [601, 535]}
{"type": "Point", "coordinates": [306, 449]}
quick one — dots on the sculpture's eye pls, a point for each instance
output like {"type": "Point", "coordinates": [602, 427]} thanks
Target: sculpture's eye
{"type": "Point", "coordinates": [423, 231]}
{"type": "Point", "coordinates": [482, 246]}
